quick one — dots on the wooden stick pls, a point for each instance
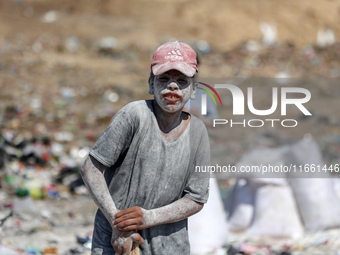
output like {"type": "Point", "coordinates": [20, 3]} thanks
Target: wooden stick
{"type": "Point", "coordinates": [135, 249]}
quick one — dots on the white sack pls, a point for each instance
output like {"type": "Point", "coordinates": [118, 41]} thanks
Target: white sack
{"type": "Point", "coordinates": [276, 213]}
{"type": "Point", "coordinates": [316, 198]}
{"type": "Point", "coordinates": [208, 229]}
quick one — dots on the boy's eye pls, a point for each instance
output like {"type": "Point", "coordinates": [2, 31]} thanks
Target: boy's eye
{"type": "Point", "coordinates": [163, 79]}
{"type": "Point", "coordinates": [182, 81]}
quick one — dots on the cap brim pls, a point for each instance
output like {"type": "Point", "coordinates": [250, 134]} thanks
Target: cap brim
{"type": "Point", "coordinates": [184, 68]}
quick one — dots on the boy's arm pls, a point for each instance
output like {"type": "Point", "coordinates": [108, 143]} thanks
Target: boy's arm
{"type": "Point", "coordinates": [92, 174]}
{"type": "Point", "coordinates": [96, 185]}
{"type": "Point", "coordinates": [136, 218]}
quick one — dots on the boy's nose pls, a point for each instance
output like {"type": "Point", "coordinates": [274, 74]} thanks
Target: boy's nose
{"type": "Point", "coordinates": [173, 86]}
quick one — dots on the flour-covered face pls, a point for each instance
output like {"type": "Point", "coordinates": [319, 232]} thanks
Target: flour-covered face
{"type": "Point", "coordinates": [172, 90]}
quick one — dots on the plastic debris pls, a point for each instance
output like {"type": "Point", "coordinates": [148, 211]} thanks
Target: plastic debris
{"type": "Point", "coordinates": [107, 45]}
{"type": "Point", "coordinates": [72, 44]}
{"type": "Point", "coordinates": [113, 97]}
{"type": "Point", "coordinates": [51, 250]}
{"type": "Point", "coordinates": [203, 46]}
{"type": "Point", "coordinates": [321, 240]}
{"type": "Point", "coordinates": [3, 220]}
{"type": "Point", "coordinates": [325, 37]}
{"type": "Point", "coordinates": [25, 204]}
{"type": "Point", "coordinates": [269, 33]}
{"type": "Point", "coordinates": [63, 136]}
{"type": "Point", "coordinates": [50, 17]}
{"type": "Point", "coordinates": [7, 251]}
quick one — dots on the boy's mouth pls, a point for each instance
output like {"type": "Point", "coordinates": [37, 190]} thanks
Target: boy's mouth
{"type": "Point", "coordinates": [171, 97]}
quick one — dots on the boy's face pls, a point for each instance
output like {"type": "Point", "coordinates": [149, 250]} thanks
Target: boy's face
{"type": "Point", "coordinates": [172, 90]}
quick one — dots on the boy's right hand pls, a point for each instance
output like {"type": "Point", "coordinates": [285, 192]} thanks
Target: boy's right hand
{"type": "Point", "coordinates": [122, 243]}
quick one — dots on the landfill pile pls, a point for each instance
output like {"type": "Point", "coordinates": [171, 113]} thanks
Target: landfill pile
{"type": "Point", "coordinates": [66, 69]}
{"type": "Point", "coordinates": [49, 226]}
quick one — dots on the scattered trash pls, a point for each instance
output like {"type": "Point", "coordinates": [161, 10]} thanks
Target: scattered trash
{"type": "Point", "coordinates": [321, 240]}
{"type": "Point", "coordinates": [7, 251]}
{"type": "Point", "coordinates": [113, 97]}
{"type": "Point", "coordinates": [232, 251]}
{"type": "Point", "coordinates": [50, 17]}
{"type": "Point", "coordinates": [51, 250]}
{"type": "Point", "coordinates": [76, 251]}
{"type": "Point", "coordinates": [34, 250]}
{"type": "Point", "coordinates": [25, 204]}
{"type": "Point", "coordinates": [3, 220]}
{"type": "Point", "coordinates": [29, 12]}
{"type": "Point", "coordinates": [72, 44]}
{"type": "Point", "coordinates": [68, 93]}
{"type": "Point", "coordinates": [282, 78]}
{"type": "Point", "coordinates": [310, 54]}
{"type": "Point", "coordinates": [252, 46]}
{"type": "Point", "coordinates": [325, 37]}
{"type": "Point", "coordinates": [269, 33]}
{"type": "Point", "coordinates": [63, 136]}
{"type": "Point", "coordinates": [107, 45]}
{"type": "Point", "coordinates": [203, 47]}
{"type": "Point", "coordinates": [83, 240]}
{"type": "Point", "coordinates": [250, 249]}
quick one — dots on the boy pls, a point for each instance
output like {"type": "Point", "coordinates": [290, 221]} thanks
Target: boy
{"type": "Point", "coordinates": [140, 172]}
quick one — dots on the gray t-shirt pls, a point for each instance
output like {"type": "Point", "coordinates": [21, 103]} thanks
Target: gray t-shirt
{"type": "Point", "coordinates": [146, 170]}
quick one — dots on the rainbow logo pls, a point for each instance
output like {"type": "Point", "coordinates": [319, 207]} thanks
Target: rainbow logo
{"type": "Point", "coordinates": [208, 92]}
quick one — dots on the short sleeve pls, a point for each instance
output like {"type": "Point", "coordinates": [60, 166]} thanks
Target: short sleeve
{"type": "Point", "coordinates": [115, 139]}
{"type": "Point", "coordinates": [197, 187]}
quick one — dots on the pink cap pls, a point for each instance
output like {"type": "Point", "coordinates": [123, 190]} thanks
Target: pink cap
{"type": "Point", "coordinates": [174, 55]}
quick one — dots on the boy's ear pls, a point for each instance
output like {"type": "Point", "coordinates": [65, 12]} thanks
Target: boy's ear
{"type": "Point", "coordinates": [150, 81]}
{"type": "Point", "coordinates": [194, 90]}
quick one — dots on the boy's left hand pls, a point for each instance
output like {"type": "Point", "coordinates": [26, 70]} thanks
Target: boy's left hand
{"type": "Point", "coordinates": [132, 218]}
{"type": "Point", "coordinates": [123, 244]}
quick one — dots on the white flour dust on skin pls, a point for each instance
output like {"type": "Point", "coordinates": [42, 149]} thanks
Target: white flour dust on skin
{"type": "Point", "coordinates": [124, 243]}
{"type": "Point", "coordinates": [171, 91]}
{"type": "Point", "coordinates": [178, 210]}
{"type": "Point", "coordinates": [120, 241]}
{"type": "Point", "coordinates": [141, 218]}
{"type": "Point", "coordinates": [92, 173]}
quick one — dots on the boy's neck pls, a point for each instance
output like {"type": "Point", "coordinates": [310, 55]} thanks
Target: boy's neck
{"type": "Point", "coordinates": [168, 122]}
